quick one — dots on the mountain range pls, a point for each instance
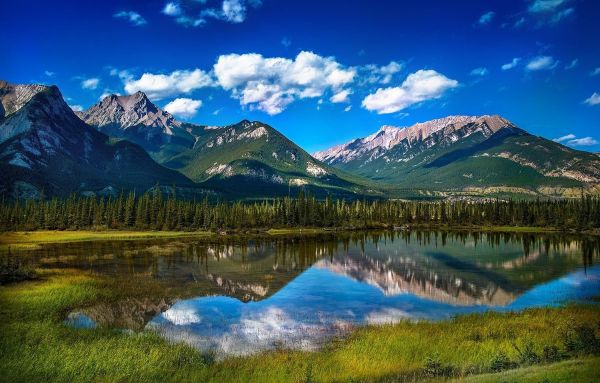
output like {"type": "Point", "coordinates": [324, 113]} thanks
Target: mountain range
{"type": "Point", "coordinates": [128, 143]}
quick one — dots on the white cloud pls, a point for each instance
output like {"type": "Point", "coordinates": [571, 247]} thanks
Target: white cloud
{"type": "Point", "coordinates": [106, 93]}
{"type": "Point", "coordinates": [573, 64]}
{"type": "Point", "coordinates": [341, 96]}
{"type": "Point", "coordinates": [76, 108]}
{"type": "Point", "coordinates": [594, 99]}
{"type": "Point", "coordinates": [541, 63]}
{"type": "Point", "coordinates": [158, 86]}
{"type": "Point", "coordinates": [567, 137]}
{"type": "Point", "coordinates": [571, 139]}
{"type": "Point", "coordinates": [172, 9]}
{"type": "Point", "coordinates": [515, 61]}
{"type": "Point", "coordinates": [133, 17]}
{"type": "Point", "coordinates": [486, 18]}
{"type": "Point", "coordinates": [49, 73]}
{"type": "Point", "coordinates": [286, 42]}
{"type": "Point", "coordinates": [479, 71]}
{"type": "Point", "coordinates": [380, 74]}
{"type": "Point", "coordinates": [550, 11]}
{"type": "Point", "coordinates": [90, 83]}
{"type": "Point", "coordinates": [183, 107]}
{"type": "Point", "coordinates": [348, 108]}
{"type": "Point", "coordinates": [231, 11]}
{"type": "Point", "coordinates": [585, 141]}
{"type": "Point", "coordinates": [419, 86]}
{"type": "Point", "coordinates": [542, 6]}
{"type": "Point", "coordinates": [271, 84]}
{"type": "Point", "coordinates": [595, 72]}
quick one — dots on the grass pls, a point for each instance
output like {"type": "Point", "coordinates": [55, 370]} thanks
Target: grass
{"type": "Point", "coordinates": [27, 240]}
{"type": "Point", "coordinates": [577, 370]}
{"type": "Point", "coordinates": [36, 347]}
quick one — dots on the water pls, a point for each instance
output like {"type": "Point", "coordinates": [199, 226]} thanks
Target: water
{"type": "Point", "coordinates": [237, 296]}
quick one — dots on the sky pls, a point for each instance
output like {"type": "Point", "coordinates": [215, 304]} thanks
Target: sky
{"type": "Point", "coordinates": [321, 72]}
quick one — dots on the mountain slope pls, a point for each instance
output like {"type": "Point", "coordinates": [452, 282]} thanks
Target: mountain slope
{"type": "Point", "coordinates": [462, 152]}
{"type": "Point", "coordinates": [46, 149]}
{"type": "Point", "coordinates": [254, 159]}
{"type": "Point", "coordinates": [248, 154]}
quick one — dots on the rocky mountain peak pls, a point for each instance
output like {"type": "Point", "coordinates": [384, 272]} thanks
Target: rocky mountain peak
{"type": "Point", "coordinates": [14, 96]}
{"type": "Point", "coordinates": [388, 136]}
{"type": "Point", "coordinates": [122, 112]}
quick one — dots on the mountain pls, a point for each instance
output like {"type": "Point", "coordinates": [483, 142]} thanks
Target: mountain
{"type": "Point", "coordinates": [254, 159]}
{"type": "Point", "coordinates": [247, 159]}
{"type": "Point", "coordinates": [136, 119]}
{"type": "Point", "coordinates": [46, 149]}
{"type": "Point", "coordinates": [469, 153]}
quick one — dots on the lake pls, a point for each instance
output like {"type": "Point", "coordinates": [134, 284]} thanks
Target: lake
{"type": "Point", "coordinates": [239, 295]}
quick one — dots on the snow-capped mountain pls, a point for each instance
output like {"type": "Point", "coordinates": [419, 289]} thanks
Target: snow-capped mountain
{"type": "Point", "coordinates": [46, 149]}
{"type": "Point", "coordinates": [465, 152]}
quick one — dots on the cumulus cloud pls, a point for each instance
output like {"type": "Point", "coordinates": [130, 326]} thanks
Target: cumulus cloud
{"type": "Point", "coordinates": [183, 107]}
{"type": "Point", "coordinates": [515, 61]}
{"type": "Point", "coordinates": [341, 96]}
{"type": "Point", "coordinates": [419, 86]}
{"type": "Point", "coordinates": [271, 84]}
{"type": "Point", "coordinates": [594, 99]}
{"type": "Point", "coordinates": [479, 71]}
{"type": "Point", "coordinates": [486, 18]}
{"type": "Point", "coordinates": [571, 139]}
{"type": "Point", "coordinates": [541, 63]}
{"type": "Point", "coordinates": [133, 17]}
{"type": "Point", "coordinates": [348, 108]}
{"type": "Point", "coordinates": [90, 83]}
{"type": "Point", "coordinates": [158, 86]}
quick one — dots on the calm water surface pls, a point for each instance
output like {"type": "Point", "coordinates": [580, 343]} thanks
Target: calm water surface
{"type": "Point", "coordinates": [239, 296]}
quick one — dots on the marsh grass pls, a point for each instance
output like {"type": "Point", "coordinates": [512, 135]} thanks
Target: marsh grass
{"type": "Point", "coordinates": [28, 240]}
{"type": "Point", "coordinates": [37, 347]}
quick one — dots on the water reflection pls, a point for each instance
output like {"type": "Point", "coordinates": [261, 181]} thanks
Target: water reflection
{"type": "Point", "coordinates": [297, 291]}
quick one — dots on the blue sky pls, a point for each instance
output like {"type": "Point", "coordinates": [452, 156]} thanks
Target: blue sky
{"type": "Point", "coordinates": [322, 72]}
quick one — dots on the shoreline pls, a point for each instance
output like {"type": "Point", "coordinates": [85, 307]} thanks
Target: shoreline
{"type": "Point", "coordinates": [29, 240]}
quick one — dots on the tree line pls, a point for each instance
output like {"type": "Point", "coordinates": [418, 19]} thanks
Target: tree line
{"type": "Point", "coordinates": [153, 211]}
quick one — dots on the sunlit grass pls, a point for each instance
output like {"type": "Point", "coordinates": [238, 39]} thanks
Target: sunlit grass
{"type": "Point", "coordinates": [35, 346]}
{"type": "Point", "coordinates": [27, 240]}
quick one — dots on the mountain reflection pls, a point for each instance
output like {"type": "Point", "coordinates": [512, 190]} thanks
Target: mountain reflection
{"type": "Point", "coordinates": [452, 268]}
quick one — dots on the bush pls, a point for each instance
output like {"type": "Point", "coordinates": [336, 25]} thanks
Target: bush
{"type": "Point", "coordinates": [552, 354]}
{"type": "Point", "coordinates": [528, 356]}
{"type": "Point", "coordinates": [434, 367]}
{"type": "Point", "coordinates": [500, 362]}
{"type": "Point", "coordinates": [13, 269]}
{"type": "Point", "coordinates": [582, 340]}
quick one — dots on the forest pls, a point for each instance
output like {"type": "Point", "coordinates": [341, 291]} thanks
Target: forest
{"type": "Point", "coordinates": [153, 211]}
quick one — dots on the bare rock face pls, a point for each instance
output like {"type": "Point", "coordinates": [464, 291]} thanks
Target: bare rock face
{"type": "Point", "coordinates": [123, 112]}
{"type": "Point", "coordinates": [389, 137]}
{"type": "Point", "coordinates": [137, 119]}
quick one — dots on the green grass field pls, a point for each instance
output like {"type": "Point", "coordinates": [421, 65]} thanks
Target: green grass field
{"type": "Point", "coordinates": [36, 347]}
{"type": "Point", "coordinates": [31, 239]}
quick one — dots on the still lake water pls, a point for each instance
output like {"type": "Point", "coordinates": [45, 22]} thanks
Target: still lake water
{"type": "Point", "coordinates": [236, 296]}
